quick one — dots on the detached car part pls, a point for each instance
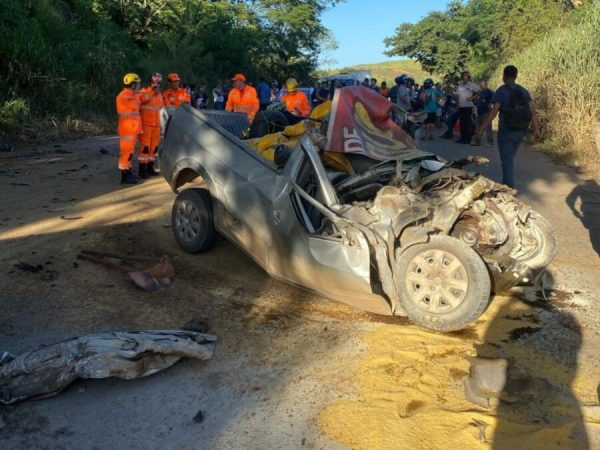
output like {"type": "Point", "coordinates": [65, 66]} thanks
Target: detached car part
{"type": "Point", "coordinates": [48, 369]}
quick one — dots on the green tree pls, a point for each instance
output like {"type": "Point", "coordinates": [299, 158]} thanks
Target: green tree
{"type": "Point", "coordinates": [66, 57]}
{"type": "Point", "coordinates": [476, 34]}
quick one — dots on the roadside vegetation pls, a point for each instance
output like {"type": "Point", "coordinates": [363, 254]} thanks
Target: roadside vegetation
{"type": "Point", "coordinates": [562, 71]}
{"type": "Point", "coordinates": [554, 43]}
{"type": "Point", "coordinates": [62, 61]}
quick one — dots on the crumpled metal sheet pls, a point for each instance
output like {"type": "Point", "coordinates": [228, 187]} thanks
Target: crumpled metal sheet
{"type": "Point", "coordinates": [48, 369]}
{"type": "Point", "coordinates": [486, 380]}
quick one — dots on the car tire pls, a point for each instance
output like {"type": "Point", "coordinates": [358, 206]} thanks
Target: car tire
{"type": "Point", "coordinates": [267, 122]}
{"type": "Point", "coordinates": [443, 285]}
{"type": "Point", "coordinates": [193, 222]}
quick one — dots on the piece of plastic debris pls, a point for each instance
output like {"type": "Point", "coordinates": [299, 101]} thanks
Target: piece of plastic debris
{"type": "Point", "coordinates": [199, 417]}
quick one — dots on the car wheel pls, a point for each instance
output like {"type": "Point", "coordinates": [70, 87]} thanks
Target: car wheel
{"type": "Point", "coordinates": [443, 285]}
{"type": "Point", "coordinates": [193, 222]}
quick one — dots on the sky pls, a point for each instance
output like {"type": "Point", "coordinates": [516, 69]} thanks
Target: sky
{"type": "Point", "coordinates": [360, 26]}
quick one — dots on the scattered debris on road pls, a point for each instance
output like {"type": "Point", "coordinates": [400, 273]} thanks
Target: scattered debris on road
{"type": "Point", "coordinates": [48, 369]}
{"type": "Point", "coordinates": [46, 274]}
{"type": "Point", "coordinates": [29, 267]}
{"type": "Point", "coordinates": [71, 218]}
{"type": "Point", "coordinates": [153, 279]}
{"type": "Point", "coordinates": [199, 417]}
{"type": "Point", "coordinates": [486, 380]}
{"type": "Point", "coordinates": [482, 426]}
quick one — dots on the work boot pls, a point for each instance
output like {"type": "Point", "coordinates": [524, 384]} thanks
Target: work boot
{"type": "Point", "coordinates": [150, 170]}
{"type": "Point", "coordinates": [128, 178]}
{"type": "Point", "coordinates": [143, 170]}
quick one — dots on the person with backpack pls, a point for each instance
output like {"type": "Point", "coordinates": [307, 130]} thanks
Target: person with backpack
{"type": "Point", "coordinates": [513, 103]}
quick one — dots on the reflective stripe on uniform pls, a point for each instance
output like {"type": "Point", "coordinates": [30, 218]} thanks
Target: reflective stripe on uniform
{"type": "Point", "coordinates": [129, 114]}
{"type": "Point", "coordinates": [153, 108]}
{"type": "Point", "coordinates": [128, 137]}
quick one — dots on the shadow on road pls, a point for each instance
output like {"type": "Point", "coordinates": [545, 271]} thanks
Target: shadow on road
{"type": "Point", "coordinates": [537, 407]}
{"type": "Point", "coordinates": [588, 194]}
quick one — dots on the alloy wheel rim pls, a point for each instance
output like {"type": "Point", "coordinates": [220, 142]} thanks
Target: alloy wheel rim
{"type": "Point", "coordinates": [187, 220]}
{"type": "Point", "coordinates": [437, 281]}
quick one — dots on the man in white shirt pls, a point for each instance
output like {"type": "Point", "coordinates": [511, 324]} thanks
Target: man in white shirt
{"type": "Point", "coordinates": [466, 92]}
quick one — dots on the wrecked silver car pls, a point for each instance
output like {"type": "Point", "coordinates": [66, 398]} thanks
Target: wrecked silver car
{"type": "Point", "coordinates": [351, 209]}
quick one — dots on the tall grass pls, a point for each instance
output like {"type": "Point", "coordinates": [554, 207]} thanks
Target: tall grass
{"type": "Point", "coordinates": [562, 71]}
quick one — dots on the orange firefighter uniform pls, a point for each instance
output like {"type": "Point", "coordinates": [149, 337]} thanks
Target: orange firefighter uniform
{"type": "Point", "coordinates": [175, 97]}
{"type": "Point", "coordinates": [296, 102]}
{"type": "Point", "coordinates": [151, 104]}
{"type": "Point", "coordinates": [130, 125]}
{"type": "Point", "coordinates": [243, 99]}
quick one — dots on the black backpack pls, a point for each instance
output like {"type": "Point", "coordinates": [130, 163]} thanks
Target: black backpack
{"type": "Point", "coordinates": [518, 114]}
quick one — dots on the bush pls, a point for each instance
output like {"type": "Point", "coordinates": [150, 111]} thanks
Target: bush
{"type": "Point", "coordinates": [563, 75]}
{"type": "Point", "coordinates": [13, 113]}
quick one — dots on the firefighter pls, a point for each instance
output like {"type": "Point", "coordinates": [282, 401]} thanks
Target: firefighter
{"type": "Point", "coordinates": [242, 98]}
{"type": "Point", "coordinates": [174, 95]}
{"type": "Point", "coordinates": [130, 125]}
{"type": "Point", "coordinates": [295, 101]}
{"type": "Point", "coordinates": [151, 101]}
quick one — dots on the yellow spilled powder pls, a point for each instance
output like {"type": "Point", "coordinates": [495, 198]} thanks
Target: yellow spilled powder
{"type": "Point", "coordinates": [411, 395]}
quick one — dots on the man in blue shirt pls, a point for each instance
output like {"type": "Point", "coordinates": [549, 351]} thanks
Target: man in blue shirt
{"type": "Point", "coordinates": [264, 93]}
{"type": "Point", "coordinates": [513, 102]}
{"type": "Point", "coordinates": [484, 106]}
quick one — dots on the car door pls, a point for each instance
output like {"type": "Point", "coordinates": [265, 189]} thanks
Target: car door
{"type": "Point", "coordinates": [309, 249]}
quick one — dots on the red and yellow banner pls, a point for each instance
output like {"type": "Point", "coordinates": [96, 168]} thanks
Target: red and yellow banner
{"type": "Point", "coordinates": [361, 123]}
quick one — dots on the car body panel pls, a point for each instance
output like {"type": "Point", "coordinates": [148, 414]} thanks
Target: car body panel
{"type": "Point", "coordinates": [253, 209]}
